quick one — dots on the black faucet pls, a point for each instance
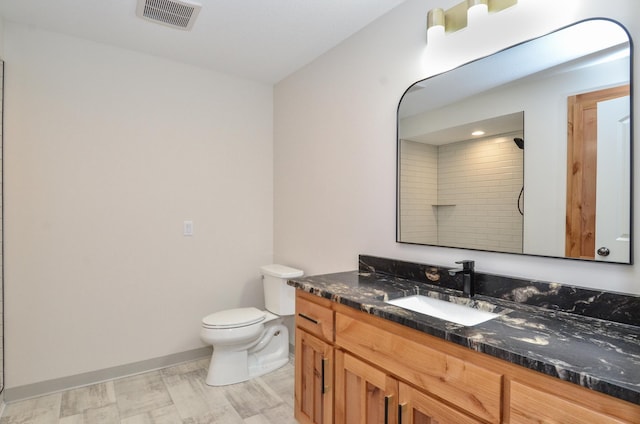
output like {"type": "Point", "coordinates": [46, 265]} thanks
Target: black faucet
{"type": "Point", "coordinates": [468, 277]}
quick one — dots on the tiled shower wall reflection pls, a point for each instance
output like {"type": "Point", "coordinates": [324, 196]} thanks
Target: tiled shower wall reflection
{"type": "Point", "coordinates": [418, 192]}
{"type": "Point", "coordinates": [475, 204]}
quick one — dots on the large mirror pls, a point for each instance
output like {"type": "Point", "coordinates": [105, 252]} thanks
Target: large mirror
{"type": "Point", "coordinates": [525, 151]}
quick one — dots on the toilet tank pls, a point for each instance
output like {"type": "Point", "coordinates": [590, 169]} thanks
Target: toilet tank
{"type": "Point", "coordinates": [279, 298]}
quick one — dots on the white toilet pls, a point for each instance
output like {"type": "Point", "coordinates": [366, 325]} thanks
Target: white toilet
{"type": "Point", "coordinates": [248, 342]}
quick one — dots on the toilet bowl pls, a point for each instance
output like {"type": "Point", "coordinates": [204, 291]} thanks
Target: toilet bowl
{"type": "Point", "coordinates": [249, 342]}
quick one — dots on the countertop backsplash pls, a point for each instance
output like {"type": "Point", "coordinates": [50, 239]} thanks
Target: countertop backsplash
{"type": "Point", "coordinates": [609, 306]}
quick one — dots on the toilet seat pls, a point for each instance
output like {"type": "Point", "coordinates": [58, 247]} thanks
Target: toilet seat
{"type": "Point", "coordinates": [233, 318]}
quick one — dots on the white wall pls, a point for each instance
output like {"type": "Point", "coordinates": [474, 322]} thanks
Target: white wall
{"type": "Point", "coordinates": [335, 149]}
{"type": "Point", "coordinates": [1, 38]}
{"type": "Point", "coordinates": [107, 152]}
{"type": "Point", "coordinates": [2, 385]}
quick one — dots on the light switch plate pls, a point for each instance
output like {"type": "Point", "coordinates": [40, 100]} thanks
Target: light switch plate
{"type": "Point", "coordinates": [187, 228]}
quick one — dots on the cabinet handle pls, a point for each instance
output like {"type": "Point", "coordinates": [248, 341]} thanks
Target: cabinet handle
{"type": "Point", "coordinates": [325, 389]}
{"type": "Point", "coordinates": [387, 401]}
{"type": "Point", "coordinates": [308, 318]}
{"type": "Point", "coordinates": [401, 407]}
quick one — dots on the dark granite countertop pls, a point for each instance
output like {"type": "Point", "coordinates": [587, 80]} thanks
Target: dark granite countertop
{"type": "Point", "coordinates": [594, 353]}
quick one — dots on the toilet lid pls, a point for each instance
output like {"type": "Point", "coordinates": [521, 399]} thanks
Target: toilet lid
{"type": "Point", "coordinates": [230, 318]}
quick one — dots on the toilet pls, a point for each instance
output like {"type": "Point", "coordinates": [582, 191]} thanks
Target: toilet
{"type": "Point", "coordinates": [249, 342]}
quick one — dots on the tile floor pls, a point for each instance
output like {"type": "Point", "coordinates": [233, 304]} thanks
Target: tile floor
{"type": "Point", "coordinates": [174, 395]}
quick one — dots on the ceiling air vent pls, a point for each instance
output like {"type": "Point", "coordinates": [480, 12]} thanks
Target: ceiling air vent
{"type": "Point", "coordinates": [173, 13]}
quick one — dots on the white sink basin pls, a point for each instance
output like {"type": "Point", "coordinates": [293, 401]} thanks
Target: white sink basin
{"type": "Point", "coordinates": [460, 314]}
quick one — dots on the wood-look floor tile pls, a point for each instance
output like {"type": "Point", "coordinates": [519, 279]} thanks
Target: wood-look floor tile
{"type": "Point", "coordinates": [185, 367]}
{"type": "Point", "coordinates": [76, 401]}
{"type": "Point", "coordinates": [204, 362]}
{"type": "Point", "coordinates": [103, 415]}
{"type": "Point", "coordinates": [174, 395]}
{"type": "Point", "coordinates": [188, 393]}
{"type": "Point", "coordinates": [166, 415]}
{"type": "Point", "coordinates": [219, 414]}
{"type": "Point", "coordinates": [280, 414]}
{"type": "Point", "coordinates": [213, 395]}
{"type": "Point", "coordinates": [41, 410]}
{"type": "Point", "coordinates": [72, 419]}
{"type": "Point", "coordinates": [251, 397]}
{"type": "Point", "coordinates": [141, 393]}
{"type": "Point", "coordinates": [281, 381]}
{"type": "Point", "coordinates": [257, 419]}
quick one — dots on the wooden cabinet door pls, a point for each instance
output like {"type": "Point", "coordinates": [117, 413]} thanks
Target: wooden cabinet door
{"type": "Point", "coordinates": [313, 380]}
{"type": "Point", "coordinates": [418, 408]}
{"type": "Point", "coordinates": [364, 394]}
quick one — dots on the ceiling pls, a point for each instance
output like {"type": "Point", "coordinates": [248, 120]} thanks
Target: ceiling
{"type": "Point", "coordinates": [262, 40]}
{"type": "Point", "coordinates": [510, 124]}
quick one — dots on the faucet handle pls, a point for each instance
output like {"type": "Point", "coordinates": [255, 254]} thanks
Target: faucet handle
{"type": "Point", "coordinates": [467, 265]}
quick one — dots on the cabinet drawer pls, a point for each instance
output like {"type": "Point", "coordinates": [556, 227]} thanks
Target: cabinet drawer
{"type": "Point", "coordinates": [532, 406]}
{"type": "Point", "coordinates": [470, 387]}
{"type": "Point", "coordinates": [314, 318]}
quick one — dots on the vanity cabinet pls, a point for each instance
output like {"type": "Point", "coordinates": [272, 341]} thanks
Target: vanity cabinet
{"type": "Point", "coordinates": [313, 362]}
{"type": "Point", "coordinates": [388, 373]}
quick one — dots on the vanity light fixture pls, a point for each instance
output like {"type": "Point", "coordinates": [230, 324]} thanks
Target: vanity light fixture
{"type": "Point", "coordinates": [435, 24]}
{"type": "Point", "coordinates": [477, 9]}
{"type": "Point", "coordinates": [457, 17]}
{"type": "Point", "coordinates": [477, 133]}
